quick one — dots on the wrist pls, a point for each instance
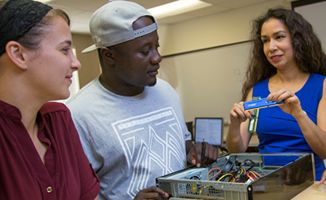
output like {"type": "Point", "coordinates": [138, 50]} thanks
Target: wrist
{"type": "Point", "coordinates": [189, 145]}
{"type": "Point", "coordinates": [234, 125]}
{"type": "Point", "coordinates": [301, 115]}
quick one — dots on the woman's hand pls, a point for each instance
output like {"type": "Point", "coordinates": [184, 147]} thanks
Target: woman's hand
{"type": "Point", "coordinates": [239, 115]}
{"type": "Point", "coordinates": [291, 104]}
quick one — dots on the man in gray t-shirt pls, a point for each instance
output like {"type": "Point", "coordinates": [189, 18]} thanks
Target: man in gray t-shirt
{"type": "Point", "coordinates": [131, 124]}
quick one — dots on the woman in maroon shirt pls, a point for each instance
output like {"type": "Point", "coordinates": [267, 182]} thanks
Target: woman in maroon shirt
{"type": "Point", "coordinates": [40, 153]}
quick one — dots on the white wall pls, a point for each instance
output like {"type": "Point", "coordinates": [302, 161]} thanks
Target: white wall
{"type": "Point", "coordinates": [214, 30]}
{"type": "Point", "coordinates": [315, 14]}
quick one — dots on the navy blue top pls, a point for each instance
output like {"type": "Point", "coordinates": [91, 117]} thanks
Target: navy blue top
{"type": "Point", "coordinates": [279, 132]}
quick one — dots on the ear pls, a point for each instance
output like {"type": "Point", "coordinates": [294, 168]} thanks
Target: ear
{"type": "Point", "coordinates": [16, 54]}
{"type": "Point", "coordinates": [108, 55]}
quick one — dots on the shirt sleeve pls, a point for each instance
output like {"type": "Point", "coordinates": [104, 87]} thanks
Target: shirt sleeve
{"type": "Point", "coordinates": [187, 134]}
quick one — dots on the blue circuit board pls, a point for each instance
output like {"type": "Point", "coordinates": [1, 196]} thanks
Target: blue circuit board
{"type": "Point", "coordinates": [261, 103]}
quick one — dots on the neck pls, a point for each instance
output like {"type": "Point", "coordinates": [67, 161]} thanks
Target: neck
{"type": "Point", "coordinates": [120, 88]}
{"type": "Point", "coordinates": [20, 97]}
{"type": "Point", "coordinates": [290, 75]}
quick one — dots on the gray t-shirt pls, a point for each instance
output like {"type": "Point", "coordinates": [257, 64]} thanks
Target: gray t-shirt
{"type": "Point", "coordinates": [130, 141]}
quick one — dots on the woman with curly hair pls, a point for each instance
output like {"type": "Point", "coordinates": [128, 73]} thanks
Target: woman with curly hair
{"type": "Point", "coordinates": [287, 63]}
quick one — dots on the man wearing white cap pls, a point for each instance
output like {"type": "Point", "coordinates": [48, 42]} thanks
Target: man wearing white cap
{"type": "Point", "coordinates": [131, 123]}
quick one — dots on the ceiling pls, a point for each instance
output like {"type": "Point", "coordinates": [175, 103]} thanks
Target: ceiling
{"type": "Point", "coordinates": [80, 11]}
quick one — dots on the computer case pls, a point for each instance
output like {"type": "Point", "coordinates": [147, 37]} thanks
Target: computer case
{"type": "Point", "coordinates": [252, 179]}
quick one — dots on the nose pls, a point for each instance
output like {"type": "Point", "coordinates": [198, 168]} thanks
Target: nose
{"type": "Point", "coordinates": [272, 45]}
{"type": "Point", "coordinates": [75, 64]}
{"type": "Point", "coordinates": [156, 58]}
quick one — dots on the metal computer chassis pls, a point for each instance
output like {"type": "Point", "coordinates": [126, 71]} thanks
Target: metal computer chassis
{"type": "Point", "coordinates": [192, 183]}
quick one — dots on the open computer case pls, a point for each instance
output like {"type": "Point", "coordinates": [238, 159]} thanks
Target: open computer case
{"type": "Point", "coordinates": [242, 177]}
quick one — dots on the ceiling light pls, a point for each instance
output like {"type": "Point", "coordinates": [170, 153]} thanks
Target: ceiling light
{"type": "Point", "coordinates": [177, 7]}
{"type": "Point", "coordinates": [43, 1]}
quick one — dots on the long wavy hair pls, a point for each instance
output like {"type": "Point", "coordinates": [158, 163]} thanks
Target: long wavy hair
{"type": "Point", "coordinates": [309, 55]}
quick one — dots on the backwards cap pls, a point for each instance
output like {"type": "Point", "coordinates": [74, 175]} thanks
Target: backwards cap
{"type": "Point", "coordinates": [112, 24]}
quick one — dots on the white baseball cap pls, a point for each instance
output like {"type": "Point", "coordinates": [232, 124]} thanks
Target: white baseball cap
{"type": "Point", "coordinates": [112, 23]}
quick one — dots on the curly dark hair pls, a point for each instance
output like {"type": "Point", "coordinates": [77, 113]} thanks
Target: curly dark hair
{"type": "Point", "coordinates": [309, 55]}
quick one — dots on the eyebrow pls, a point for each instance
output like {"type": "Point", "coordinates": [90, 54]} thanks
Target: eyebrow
{"type": "Point", "coordinates": [274, 33]}
{"type": "Point", "coordinates": [149, 44]}
{"type": "Point", "coordinates": [69, 42]}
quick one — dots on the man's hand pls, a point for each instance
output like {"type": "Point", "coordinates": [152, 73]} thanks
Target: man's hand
{"type": "Point", "coordinates": [151, 193]}
{"type": "Point", "coordinates": [194, 155]}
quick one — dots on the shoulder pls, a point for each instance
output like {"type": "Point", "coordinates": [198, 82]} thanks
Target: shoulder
{"type": "Point", "coordinates": [162, 87]}
{"type": "Point", "coordinates": [317, 81]}
{"type": "Point", "coordinates": [317, 76]}
{"type": "Point", "coordinates": [249, 96]}
{"type": "Point", "coordinates": [86, 94]}
{"type": "Point", "coordinates": [51, 107]}
{"type": "Point", "coordinates": [55, 111]}
{"type": "Point", "coordinates": [261, 84]}
{"type": "Point", "coordinates": [260, 89]}
{"type": "Point", "coordinates": [85, 90]}
{"type": "Point", "coordinates": [163, 84]}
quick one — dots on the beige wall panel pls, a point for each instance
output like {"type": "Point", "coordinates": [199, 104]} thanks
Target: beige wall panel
{"type": "Point", "coordinates": [89, 61]}
{"type": "Point", "coordinates": [214, 30]}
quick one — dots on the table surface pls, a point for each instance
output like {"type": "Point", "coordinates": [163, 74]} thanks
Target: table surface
{"type": "Point", "coordinates": [312, 193]}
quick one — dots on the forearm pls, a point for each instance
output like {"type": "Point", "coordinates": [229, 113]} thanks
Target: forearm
{"type": "Point", "coordinates": [314, 135]}
{"type": "Point", "coordinates": [234, 141]}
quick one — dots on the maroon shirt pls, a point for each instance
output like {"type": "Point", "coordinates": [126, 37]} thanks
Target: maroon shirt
{"type": "Point", "coordinates": [66, 174]}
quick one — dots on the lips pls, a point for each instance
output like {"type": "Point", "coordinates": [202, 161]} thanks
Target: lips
{"type": "Point", "coordinates": [276, 57]}
{"type": "Point", "coordinates": [153, 72]}
{"type": "Point", "coordinates": [69, 78]}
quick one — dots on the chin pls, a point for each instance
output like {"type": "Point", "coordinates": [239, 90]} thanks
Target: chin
{"type": "Point", "coordinates": [152, 84]}
{"type": "Point", "coordinates": [63, 96]}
